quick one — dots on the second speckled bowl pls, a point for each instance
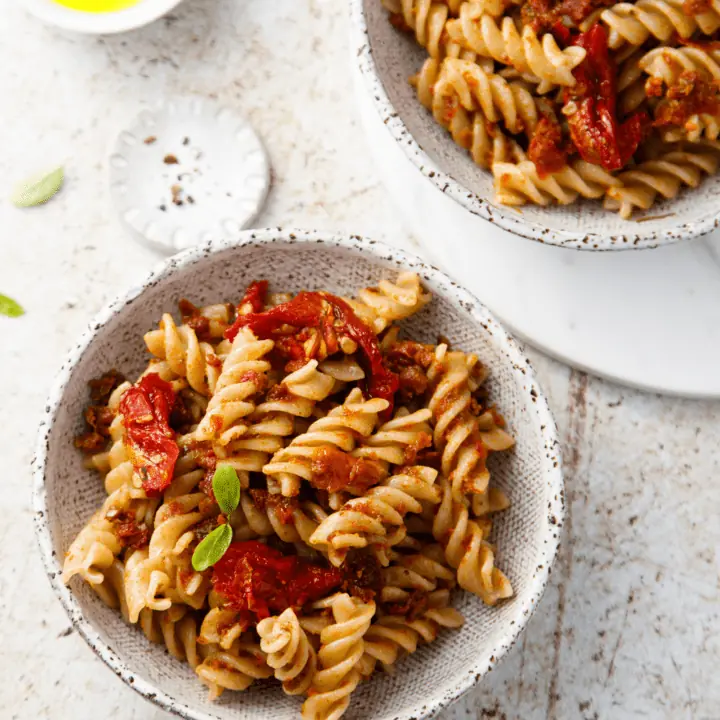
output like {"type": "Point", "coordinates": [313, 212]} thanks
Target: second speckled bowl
{"type": "Point", "coordinates": [386, 58]}
{"type": "Point", "coordinates": [66, 494]}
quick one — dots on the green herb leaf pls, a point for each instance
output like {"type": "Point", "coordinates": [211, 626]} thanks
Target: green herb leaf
{"type": "Point", "coordinates": [9, 307]}
{"type": "Point", "coordinates": [212, 548]}
{"type": "Point", "coordinates": [37, 189]}
{"type": "Point", "coordinates": [226, 486]}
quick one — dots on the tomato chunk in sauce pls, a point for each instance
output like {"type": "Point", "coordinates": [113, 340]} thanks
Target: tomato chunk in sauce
{"type": "Point", "coordinates": [258, 581]}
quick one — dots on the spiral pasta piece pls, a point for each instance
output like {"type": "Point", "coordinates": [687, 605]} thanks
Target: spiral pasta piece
{"type": "Point", "coordinates": [392, 635]}
{"type": "Point", "coordinates": [233, 669]}
{"type": "Point", "coordinates": [471, 130]}
{"type": "Point", "coordinates": [527, 53]}
{"type": "Point", "coordinates": [97, 545]}
{"type": "Point", "coordinates": [179, 633]}
{"type": "Point", "coordinates": [185, 354]}
{"type": "Point", "coordinates": [631, 84]}
{"type": "Point", "coordinates": [634, 23]}
{"type": "Point", "coordinates": [152, 573]}
{"type": "Point", "coordinates": [296, 525]}
{"type": "Point", "coordinates": [517, 184]}
{"type": "Point", "coordinates": [274, 419]}
{"type": "Point", "coordinates": [498, 100]}
{"type": "Point", "coordinates": [668, 63]}
{"type": "Point", "coordinates": [467, 550]}
{"type": "Point", "coordinates": [426, 19]}
{"type": "Point", "coordinates": [398, 440]}
{"type": "Point", "coordinates": [377, 518]}
{"type": "Point", "coordinates": [422, 571]}
{"type": "Point", "coordinates": [289, 653]}
{"type": "Point", "coordinates": [390, 301]}
{"type": "Point", "coordinates": [341, 648]}
{"type": "Point", "coordinates": [221, 627]}
{"type": "Point", "coordinates": [662, 177]}
{"type": "Point", "coordinates": [463, 438]}
{"type": "Point", "coordinates": [339, 429]}
{"type": "Point", "coordinates": [243, 375]}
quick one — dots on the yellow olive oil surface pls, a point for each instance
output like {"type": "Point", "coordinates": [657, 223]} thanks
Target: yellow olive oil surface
{"type": "Point", "coordinates": [97, 6]}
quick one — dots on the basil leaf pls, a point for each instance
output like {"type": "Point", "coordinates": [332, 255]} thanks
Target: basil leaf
{"type": "Point", "coordinates": [212, 548]}
{"type": "Point", "coordinates": [37, 189]}
{"type": "Point", "coordinates": [226, 487]}
{"type": "Point", "coordinates": [9, 307]}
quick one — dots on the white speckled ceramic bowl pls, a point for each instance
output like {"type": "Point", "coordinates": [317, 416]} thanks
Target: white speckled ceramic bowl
{"type": "Point", "coordinates": [65, 494]}
{"type": "Point", "coordinates": [386, 58]}
{"type": "Point", "coordinates": [99, 23]}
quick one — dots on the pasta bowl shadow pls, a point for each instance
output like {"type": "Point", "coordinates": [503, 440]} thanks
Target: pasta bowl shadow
{"type": "Point", "coordinates": [527, 534]}
{"type": "Point", "coordinates": [453, 192]}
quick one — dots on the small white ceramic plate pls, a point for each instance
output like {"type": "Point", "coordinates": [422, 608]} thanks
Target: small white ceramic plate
{"type": "Point", "coordinates": [144, 12]}
{"type": "Point", "coordinates": [188, 172]}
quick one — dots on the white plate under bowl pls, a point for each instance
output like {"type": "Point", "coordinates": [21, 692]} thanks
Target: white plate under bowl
{"type": "Point", "coordinates": [386, 58]}
{"type": "Point", "coordinates": [646, 319]}
{"type": "Point", "coordinates": [215, 189]}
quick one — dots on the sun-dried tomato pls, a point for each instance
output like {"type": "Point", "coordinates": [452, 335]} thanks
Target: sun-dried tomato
{"type": "Point", "coordinates": [362, 576]}
{"type": "Point", "coordinates": [260, 581]}
{"type": "Point", "coordinates": [696, 7]}
{"type": "Point", "coordinates": [193, 318]}
{"type": "Point", "coordinates": [130, 534]}
{"type": "Point", "coordinates": [331, 317]}
{"type": "Point", "coordinates": [150, 442]}
{"type": "Point", "coordinates": [101, 388]}
{"type": "Point", "coordinates": [333, 470]}
{"type": "Point", "coordinates": [591, 107]}
{"type": "Point", "coordinates": [284, 506]}
{"type": "Point", "coordinates": [411, 608]}
{"type": "Point", "coordinates": [98, 419]}
{"type": "Point", "coordinates": [543, 15]}
{"type": "Point", "coordinates": [254, 299]}
{"type": "Point", "coordinates": [547, 148]}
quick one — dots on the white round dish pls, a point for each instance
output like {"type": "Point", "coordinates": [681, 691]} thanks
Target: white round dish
{"type": "Point", "coordinates": [386, 59]}
{"type": "Point", "coordinates": [99, 23]}
{"type": "Point", "coordinates": [649, 320]}
{"type": "Point", "coordinates": [186, 172]}
{"type": "Point", "coordinates": [527, 534]}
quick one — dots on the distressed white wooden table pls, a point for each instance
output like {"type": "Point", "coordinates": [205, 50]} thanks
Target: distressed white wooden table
{"type": "Point", "coordinates": [630, 626]}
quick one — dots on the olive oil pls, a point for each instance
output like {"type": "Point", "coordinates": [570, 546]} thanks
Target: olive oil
{"type": "Point", "coordinates": [97, 6]}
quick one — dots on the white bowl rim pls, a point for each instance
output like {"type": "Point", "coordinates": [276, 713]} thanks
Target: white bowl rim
{"type": "Point", "coordinates": [551, 462]}
{"type": "Point", "coordinates": [505, 219]}
{"type": "Point", "coordinates": [99, 23]}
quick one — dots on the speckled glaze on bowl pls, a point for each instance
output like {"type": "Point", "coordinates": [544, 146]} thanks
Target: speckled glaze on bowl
{"type": "Point", "coordinates": [386, 58]}
{"type": "Point", "coordinates": [65, 494]}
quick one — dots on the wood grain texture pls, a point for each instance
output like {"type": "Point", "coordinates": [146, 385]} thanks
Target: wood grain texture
{"type": "Point", "coordinates": [629, 626]}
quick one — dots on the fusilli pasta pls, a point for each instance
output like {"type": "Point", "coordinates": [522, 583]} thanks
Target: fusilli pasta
{"type": "Point", "coordinates": [289, 516]}
{"type": "Point", "coordinates": [561, 101]}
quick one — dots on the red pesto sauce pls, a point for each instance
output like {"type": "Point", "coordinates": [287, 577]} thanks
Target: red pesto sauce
{"type": "Point", "coordinates": [332, 317]}
{"type": "Point", "coordinates": [258, 581]}
{"type": "Point", "coordinates": [150, 442]}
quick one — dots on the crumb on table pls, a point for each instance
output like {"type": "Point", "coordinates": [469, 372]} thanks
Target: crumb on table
{"type": "Point", "coordinates": [170, 160]}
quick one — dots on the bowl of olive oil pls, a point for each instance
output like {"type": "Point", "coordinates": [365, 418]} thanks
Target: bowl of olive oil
{"type": "Point", "coordinates": [99, 16]}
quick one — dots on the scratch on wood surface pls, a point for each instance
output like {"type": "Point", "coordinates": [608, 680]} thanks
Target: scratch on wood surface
{"type": "Point", "coordinates": [521, 672]}
{"type": "Point", "coordinates": [572, 442]}
{"type": "Point", "coordinates": [611, 666]}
